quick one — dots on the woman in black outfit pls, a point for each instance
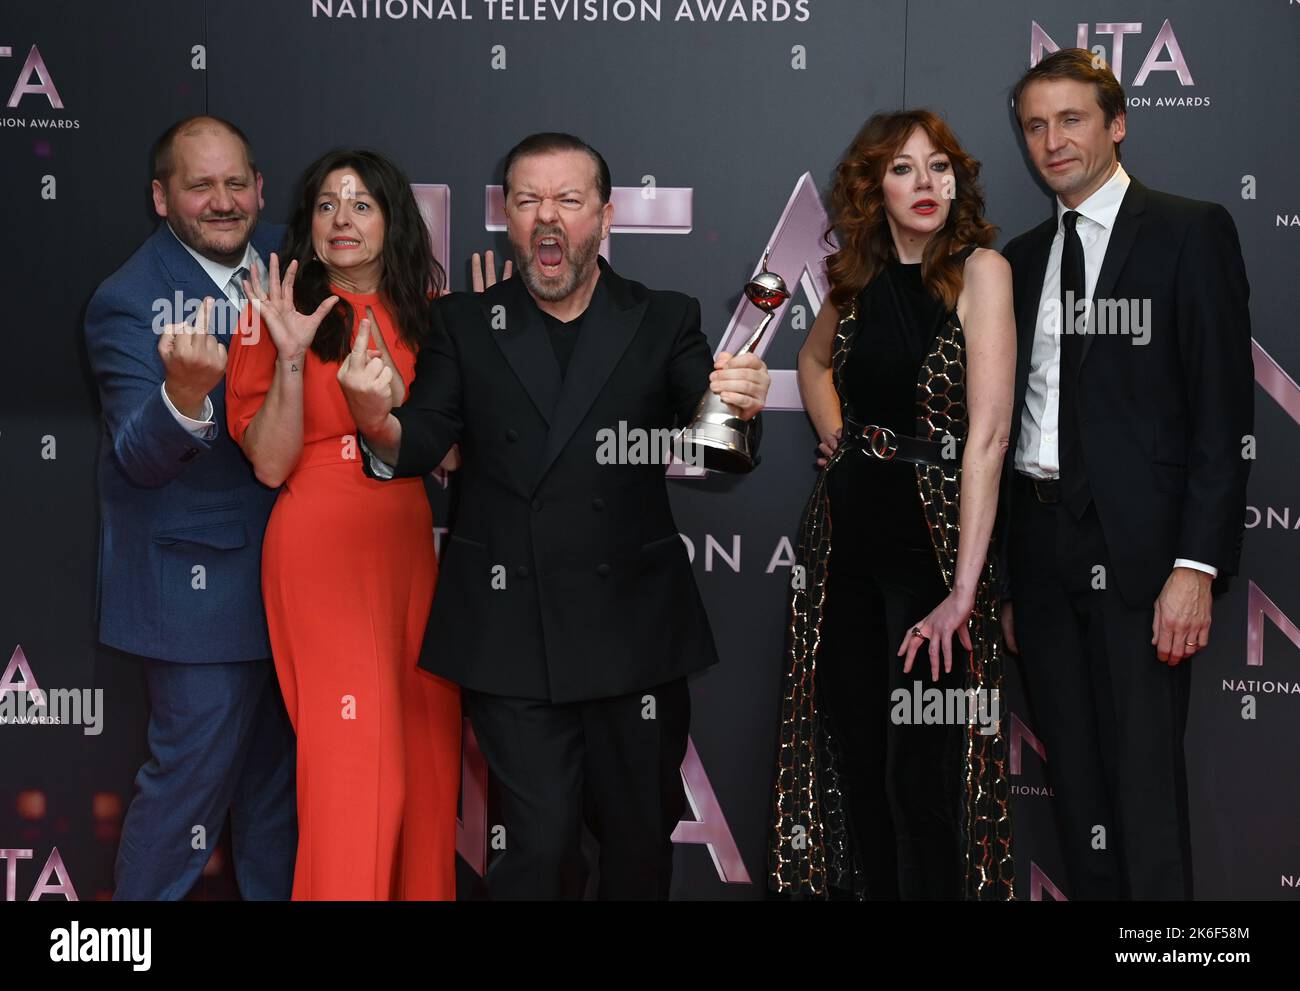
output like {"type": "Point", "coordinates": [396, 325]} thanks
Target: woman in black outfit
{"type": "Point", "coordinates": [907, 376]}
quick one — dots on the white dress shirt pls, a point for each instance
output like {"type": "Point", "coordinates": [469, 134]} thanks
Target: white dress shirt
{"type": "Point", "coordinates": [1037, 451]}
{"type": "Point", "coordinates": [221, 275]}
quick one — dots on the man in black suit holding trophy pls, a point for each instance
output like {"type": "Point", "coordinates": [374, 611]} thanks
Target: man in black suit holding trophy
{"type": "Point", "coordinates": [566, 606]}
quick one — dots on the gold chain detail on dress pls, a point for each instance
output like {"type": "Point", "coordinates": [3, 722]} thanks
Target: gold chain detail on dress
{"type": "Point", "coordinates": [799, 842]}
{"type": "Point", "coordinates": [986, 813]}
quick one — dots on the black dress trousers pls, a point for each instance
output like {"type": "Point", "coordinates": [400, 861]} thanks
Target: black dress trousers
{"type": "Point", "coordinates": [614, 763]}
{"type": "Point", "coordinates": [1109, 713]}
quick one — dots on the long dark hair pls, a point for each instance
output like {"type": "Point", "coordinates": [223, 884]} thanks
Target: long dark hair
{"type": "Point", "coordinates": [410, 271]}
{"type": "Point", "coordinates": [858, 206]}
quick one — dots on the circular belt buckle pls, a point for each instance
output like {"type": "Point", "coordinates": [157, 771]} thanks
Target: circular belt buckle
{"type": "Point", "coordinates": [882, 442]}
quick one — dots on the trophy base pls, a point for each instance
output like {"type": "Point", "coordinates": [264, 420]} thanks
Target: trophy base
{"type": "Point", "coordinates": [717, 439]}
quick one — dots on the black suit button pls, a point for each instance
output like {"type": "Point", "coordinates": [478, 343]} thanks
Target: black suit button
{"type": "Point", "coordinates": [521, 571]}
{"type": "Point", "coordinates": [190, 453]}
{"type": "Point", "coordinates": [603, 570]}
{"type": "Point", "coordinates": [512, 435]}
{"type": "Point", "coordinates": [598, 504]}
{"type": "Point", "coordinates": [537, 505]}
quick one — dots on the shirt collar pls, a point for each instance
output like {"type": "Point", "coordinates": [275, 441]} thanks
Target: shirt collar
{"type": "Point", "coordinates": [1102, 207]}
{"type": "Point", "coordinates": [218, 273]}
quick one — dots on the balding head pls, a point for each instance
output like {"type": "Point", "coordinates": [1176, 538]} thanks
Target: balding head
{"type": "Point", "coordinates": [164, 155]}
{"type": "Point", "coordinates": [207, 187]}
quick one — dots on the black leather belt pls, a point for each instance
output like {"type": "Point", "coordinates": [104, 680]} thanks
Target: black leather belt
{"type": "Point", "coordinates": [886, 445]}
{"type": "Point", "coordinates": [1046, 490]}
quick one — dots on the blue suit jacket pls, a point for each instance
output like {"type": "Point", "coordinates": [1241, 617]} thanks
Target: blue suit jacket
{"type": "Point", "coordinates": [181, 519]}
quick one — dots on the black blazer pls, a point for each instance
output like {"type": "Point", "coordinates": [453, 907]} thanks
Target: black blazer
{"type": "Point", "coordinates": [1162, 423]}
{"type": "Point", "coordinates": [599, 597]}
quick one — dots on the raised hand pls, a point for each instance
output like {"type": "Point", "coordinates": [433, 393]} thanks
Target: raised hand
{"type": "Point", "coordinates": [476, 271]}
{"type": "Point", "coordinates": [194, 361]}
{"type": "Point", "coordinates": [742, 381]}
{"type": "Point", "coordinates": [291, 332]}
{"type": "Point", "coordinates": [367, 383]}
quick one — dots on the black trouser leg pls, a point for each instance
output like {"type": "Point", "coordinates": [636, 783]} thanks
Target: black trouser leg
{"type": "Point", "coordinates": [534, 752]}
{"type": "Point", "coordinates": [901, 779]}
{"type": "Point", "coordinates": [635, 745]}
{"type": "Point", "coordinates": [1110, 715]}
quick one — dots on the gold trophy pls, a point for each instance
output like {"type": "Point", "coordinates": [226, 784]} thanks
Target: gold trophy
{"type": "Point", "coordinates": [717, 439]}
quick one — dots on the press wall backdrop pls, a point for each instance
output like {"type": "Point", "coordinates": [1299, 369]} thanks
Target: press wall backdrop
{"type": "Point", "coordinates": [722, 122]}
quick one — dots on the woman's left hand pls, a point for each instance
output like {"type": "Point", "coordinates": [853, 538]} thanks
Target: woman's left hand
{"type": "Point", "coordinates": [291, 332]}
{"type": "Point", "coordinates": [950, 616]}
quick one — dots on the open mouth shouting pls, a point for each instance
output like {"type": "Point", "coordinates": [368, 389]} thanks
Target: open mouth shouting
{"type": "Point", "coordinates": [549, 252]}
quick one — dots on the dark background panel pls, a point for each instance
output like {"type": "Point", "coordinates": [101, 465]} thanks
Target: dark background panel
{"type": "Point", "coordinates": [123, 73]}
{"type": "Point", "coordinates": [717, 108]}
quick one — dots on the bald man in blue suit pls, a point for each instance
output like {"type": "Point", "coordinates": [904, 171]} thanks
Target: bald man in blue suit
{"type": "Point", "coordinates": [182, 518]}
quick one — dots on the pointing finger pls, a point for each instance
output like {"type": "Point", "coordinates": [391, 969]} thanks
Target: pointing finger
{"type": "Point", "coordinates": [362, 343]}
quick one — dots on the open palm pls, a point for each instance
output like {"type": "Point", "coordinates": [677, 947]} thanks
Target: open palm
{"type": "Point", "coordinates": [291, 332]}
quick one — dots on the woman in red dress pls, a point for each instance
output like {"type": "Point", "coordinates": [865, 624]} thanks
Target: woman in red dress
{"type": "Point", "coordinates": [348, 564]}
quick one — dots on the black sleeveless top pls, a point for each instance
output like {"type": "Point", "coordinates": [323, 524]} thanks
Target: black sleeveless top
{"type": "Point", "coordinates": [876, 513]}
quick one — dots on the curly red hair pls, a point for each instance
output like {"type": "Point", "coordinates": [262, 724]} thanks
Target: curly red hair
{"type": "Point", "coordinates": [858, 209]}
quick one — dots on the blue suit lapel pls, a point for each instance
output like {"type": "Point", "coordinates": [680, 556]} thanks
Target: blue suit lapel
{"type": "Point", "coordinates": [184, 274]}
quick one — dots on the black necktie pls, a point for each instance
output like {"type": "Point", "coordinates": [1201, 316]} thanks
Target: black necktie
{"type": "Point", "coordinates": [1075, 492]}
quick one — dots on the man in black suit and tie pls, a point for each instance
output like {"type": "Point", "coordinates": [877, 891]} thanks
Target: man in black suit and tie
{"type": "Point", "coordinates": [1126, 489]}
{"type": "Point", "coordinates": [566, 606]}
